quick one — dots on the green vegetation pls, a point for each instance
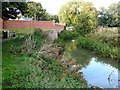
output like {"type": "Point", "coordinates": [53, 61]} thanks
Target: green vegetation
{"type": "Point", "coordinates": [12, 9]}
{"type": "Point", "coordinates": [100, 48]}
{"type": "Point", "coordinates": [70, 11]}
{"type": "Point", "coordinates": [22, 68]}
{"type": "Point", "coordinates": [106, 35]}
{"type": "Point", "coordinates": [66, 36]}
{"type": "Point", "coordinates": [104, 43]}
{"type": "Point", "coordinates": [21, 31]}
{"type": "Point", "coordinates": [109, 16]}
{"type": "Point", "coordinates": [0, 61]}
{"type": "Point", "coordinates": [29, 9]}
{"type": "Point", "coordinates": [36, 11]}
{"type": "Point", "coordinates": [84, 25]}
{"type": "Point", "coordinates": [29, 63]}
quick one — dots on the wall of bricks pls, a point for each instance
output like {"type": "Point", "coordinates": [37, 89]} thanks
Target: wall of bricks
{"type": "Point", "coordinates": [33, 24]}
{"type": "Point", "coordinates": [58, 27]}
{"type": "Point", "coordinates": [43, 24]}
{"type": "Point", "coordinates": [17, 24]}
{"type": "Point", "coordinates": [1, 23]}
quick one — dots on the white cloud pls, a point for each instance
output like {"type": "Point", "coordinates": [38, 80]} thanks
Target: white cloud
{"type": "Point", "coordinates": [53, 6]}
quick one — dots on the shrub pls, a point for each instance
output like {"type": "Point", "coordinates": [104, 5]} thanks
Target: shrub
{"type": "Point", "coordinates": [65, 37]}
{"type": "Point", "coordinates": [68, 35]}
{"type": "Point", "coordinates": [84, 25]}
{"type": "Point", "coordinates": [100, 48]}
{"type": "Point", "coordinates": [106, 35]}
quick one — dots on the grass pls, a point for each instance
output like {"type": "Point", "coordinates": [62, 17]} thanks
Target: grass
{"type": "Point", "coordinates": [25, 30]}
{"type": "Point", "coordinates": [21, 30]}
{"type": "Point", "coordinates": [21, 68]}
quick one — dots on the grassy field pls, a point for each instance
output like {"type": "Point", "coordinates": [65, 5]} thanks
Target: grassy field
{"type": "Point", "coordinates": [21, 68]}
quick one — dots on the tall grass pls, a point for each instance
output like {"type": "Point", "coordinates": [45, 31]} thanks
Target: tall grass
{"type": "Point", "coordinates": [106, 35]}
{"type": "Point", "coordinates": [99, 47]}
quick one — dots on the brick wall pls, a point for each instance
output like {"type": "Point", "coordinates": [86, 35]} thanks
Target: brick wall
{"type": "Point", "coordinates": [1, 23]}
{"type": "Point", "coordinates": [17, 24]}
{"type": "Point", "coordinates": [59, 27]}
{"type": "Point", "coordinates": [43, 24]}
{"type": "Point", "coordinates": [33, 24]}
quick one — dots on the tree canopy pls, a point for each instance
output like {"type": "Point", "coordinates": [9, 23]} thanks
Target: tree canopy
{"type": "Point", "coordinates": [36, 11]}
{"type": "Point", "coordinates": [70, 11]}
{"type": "Point", "coordinates": [12, 9]}
{"type": "Point", "coordinates": [27, 9]}
{"type": "Point", "coordinates": [108, 17]}
{"type": "Point", "coordinates": [81, 15]}
{"type": "Point", "coordinates": [53, 17]}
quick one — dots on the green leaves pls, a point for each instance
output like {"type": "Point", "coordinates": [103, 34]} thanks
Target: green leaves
{"type": "Point", "coordinates": [36, 11]}
{"type": "Point", "coordinates": [68, 35]}
{"type": "Point", "coordinates": [83, 25]}
{"type": "Point", "coordinates": [100, 48]}
{"type": "Point", "coordinates": [33, 71]}
{"type": "Point", "coordinates": [70, 11]}
{"type": "Point", "coordinates": [10, 9]}
{"type": "Point", "coordinates": [81, 15]}
{"type": "Point", "coordinates": [109, 17]}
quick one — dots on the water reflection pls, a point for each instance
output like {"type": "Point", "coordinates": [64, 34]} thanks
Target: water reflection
{"type": "Point", "coordinates": [97, 71]}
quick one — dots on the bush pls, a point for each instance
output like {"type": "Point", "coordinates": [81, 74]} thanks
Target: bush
{"type": "Point", "coordinates": [106, 35]}
{"type": "Point", "coordinates": [65, 37]}
{"type": "Point", "coordinates": [27, 44]}
{"type": "Point", "coordinates": [68, 35]}
{"type": "Point", "coordinates": [100, 48]}
{"type": "Point", "coordinates": [84, 25]}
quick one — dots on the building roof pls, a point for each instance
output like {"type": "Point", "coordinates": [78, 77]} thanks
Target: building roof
{"type": "Point", "coordinates": [27, 18]}
{"type": "Point", "coordinates": [22, 18]}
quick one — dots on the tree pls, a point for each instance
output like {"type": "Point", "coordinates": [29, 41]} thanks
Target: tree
{"type": "Point", "coordinates": [81, 15]}
{"type": "Point", "coordinates": [12, 9]}
{"type": "Point", "coordinates": [36, 11]}
{"type": "Point", "coordinates": [53, 17]}
{"type": "Point", "coordinates": [118, 14]}
{"type": "Point", "coordinates": [104, 17]}
{"type": "Point", "coordinates": [113, 9]}
{"type": "Point", "coordinates": [83, 24]}
{"type": "Point", "coordinates": [49, 17]}
{"type": "Point", "coordinates": [108, 17]}
{"type": "Point", "coordinates": [70, 11]}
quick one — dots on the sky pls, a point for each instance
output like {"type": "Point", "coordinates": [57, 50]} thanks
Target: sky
{"type": "Point", "coordinates": [53, 6]}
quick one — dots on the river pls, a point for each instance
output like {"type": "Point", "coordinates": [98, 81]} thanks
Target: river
{"type": "Point", "coordinates": [97, 71]}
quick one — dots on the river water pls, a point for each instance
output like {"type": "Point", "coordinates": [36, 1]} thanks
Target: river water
{"type": "Point", "coordinates": [97, 71]}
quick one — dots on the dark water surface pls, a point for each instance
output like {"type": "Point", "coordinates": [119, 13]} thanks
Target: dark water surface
{"type": "Point", "coordinates": [97, 71]}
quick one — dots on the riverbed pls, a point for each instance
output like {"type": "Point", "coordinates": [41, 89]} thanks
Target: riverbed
{"type": "Point", "coordinates": [97, 71]}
